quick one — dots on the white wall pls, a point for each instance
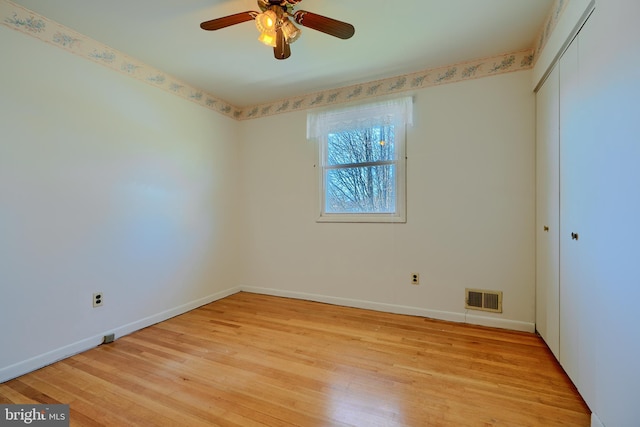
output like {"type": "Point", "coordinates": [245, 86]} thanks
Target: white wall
{"type": "Point", "coordinates": [470, 210]}
{"type": "Point", "coordinates": [106, 184]}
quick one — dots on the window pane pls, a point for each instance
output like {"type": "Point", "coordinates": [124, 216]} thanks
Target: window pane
{"type": "Point", "coordinates": [361, 146]}
{"type": "Point", "coordinates": [370, 189]}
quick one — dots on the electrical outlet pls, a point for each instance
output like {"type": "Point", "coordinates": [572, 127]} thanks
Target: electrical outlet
{"type": "Point", "coordinates": [415, 278]}
{"type": "Point", "coordinates": [98, 299]}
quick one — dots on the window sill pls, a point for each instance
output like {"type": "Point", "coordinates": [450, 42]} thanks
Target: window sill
{"type": "Point", "coordinates": [372, 218]}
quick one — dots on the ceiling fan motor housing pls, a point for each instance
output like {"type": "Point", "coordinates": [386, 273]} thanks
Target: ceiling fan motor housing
{"type": "Point", "coordinates": [282, 3]}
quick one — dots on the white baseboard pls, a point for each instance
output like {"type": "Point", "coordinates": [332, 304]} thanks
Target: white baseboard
{"type": "Point", "coordinates": [595, 421]}
{"type": "Point", "coordinates": [39, 361]}
{"type": "Point", "coordinates": [399, 309]}
{"type": "Point", "coordinates": [168, 314]}
{"type": "Point", "coordinates": [494, 322]}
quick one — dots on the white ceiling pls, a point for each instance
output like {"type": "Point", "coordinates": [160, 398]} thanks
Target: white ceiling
{"type": "Point", "coordinates": [393, 37]}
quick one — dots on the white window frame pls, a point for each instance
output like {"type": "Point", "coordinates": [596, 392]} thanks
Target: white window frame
{"type": "Point", "coordinates": [397, 112]}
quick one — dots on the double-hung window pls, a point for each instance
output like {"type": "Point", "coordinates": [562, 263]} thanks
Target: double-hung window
{"type": "Point", "coordinates": [362, 161]}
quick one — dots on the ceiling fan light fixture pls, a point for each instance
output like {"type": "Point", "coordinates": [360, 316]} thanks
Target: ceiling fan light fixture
{"type": "Point", "coordinates": [268, 38]}
{"type": "Point", "coordinates": [290, 31]}
{"type": "Point", "coordinates": [266, 21]}
{"type": "Point", "coordinates": [275, 27]}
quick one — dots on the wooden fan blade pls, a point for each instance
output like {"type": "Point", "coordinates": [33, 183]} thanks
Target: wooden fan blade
{"type": "Point", "coordinates": [227, 21]}
{"type": "Point", "coordinates": [282, 49]}
{"type": "Point", "coordinates": [330, 26]}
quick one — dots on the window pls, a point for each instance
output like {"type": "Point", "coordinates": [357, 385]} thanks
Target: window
{"type": "Point", "coordinates": [362, 161]}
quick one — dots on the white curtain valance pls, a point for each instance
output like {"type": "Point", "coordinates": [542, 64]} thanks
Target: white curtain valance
{"type": "Point", "coordinates": [391, 112]}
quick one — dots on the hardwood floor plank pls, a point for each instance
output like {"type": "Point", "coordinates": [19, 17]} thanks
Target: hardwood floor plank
{"type": "Point", "coordinates": [256, 360]}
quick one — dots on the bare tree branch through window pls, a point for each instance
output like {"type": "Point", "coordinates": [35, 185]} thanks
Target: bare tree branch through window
{"type": "Point", "coordinates": [361, 171]}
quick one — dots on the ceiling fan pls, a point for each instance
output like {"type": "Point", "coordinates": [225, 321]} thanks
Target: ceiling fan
{"type": "Point", "coordinates": [277, 30]}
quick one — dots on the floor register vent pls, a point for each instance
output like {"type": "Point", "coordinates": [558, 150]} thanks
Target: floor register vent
{"type": "Point", "coordinates": [479, 299]}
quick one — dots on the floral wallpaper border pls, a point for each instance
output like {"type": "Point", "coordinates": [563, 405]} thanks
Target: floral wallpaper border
{"type": "Point", "coordinates": [549, 25]}
{"type": "Point", "coordinates": [28, 22]}
{"type": "Point", "coordinates": [432, 77]}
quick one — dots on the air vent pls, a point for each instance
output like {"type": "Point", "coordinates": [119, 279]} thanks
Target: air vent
{"type": "Point", "coordinates": [479, 299]}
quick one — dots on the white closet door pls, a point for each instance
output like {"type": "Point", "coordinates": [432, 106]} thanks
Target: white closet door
{"type": "Point", "coordinates": [548, 212]}
{"type": "Point", "coordinates": [569, 182]}
{"type": "Point", "coordinates": [579, 305]}
{"type": "Point", "coordinates": [582, 257]}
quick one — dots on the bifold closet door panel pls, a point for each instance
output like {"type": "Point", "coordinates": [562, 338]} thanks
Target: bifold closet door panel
{"type": "Point", "coordinates": [569, 181]}
{"type": "Point", "coordinates": [548, 212]}
{"type": "Point", "coordinates": [579, 305]}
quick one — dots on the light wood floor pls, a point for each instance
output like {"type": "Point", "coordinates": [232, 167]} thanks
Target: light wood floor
{"type": "Point", "coordinates": [254, 360]}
